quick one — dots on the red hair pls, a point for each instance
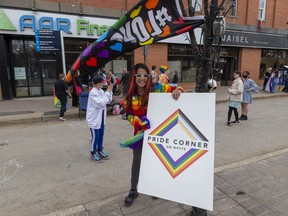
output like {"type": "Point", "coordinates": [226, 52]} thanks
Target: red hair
{"type": "Point", "coordinates": [133, 87]}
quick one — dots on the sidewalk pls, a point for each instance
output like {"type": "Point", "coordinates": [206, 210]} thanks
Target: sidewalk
{"type": "Point", "coordinates": [39, 109]}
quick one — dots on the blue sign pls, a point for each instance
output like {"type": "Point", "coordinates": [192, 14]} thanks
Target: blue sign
{"type": "Point", "coordinates": [48, 40]}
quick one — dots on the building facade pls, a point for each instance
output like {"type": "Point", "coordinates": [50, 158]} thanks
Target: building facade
{"type": "Point", "coordinates": [256, 38]}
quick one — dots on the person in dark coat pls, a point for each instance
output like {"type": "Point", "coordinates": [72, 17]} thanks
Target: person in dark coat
{"type": "Point", "coordinates": [175, 77]}
{"type": "Point", "coordinates": [124, 81]}
{"type": "Point", "coordinates": [61, 92]}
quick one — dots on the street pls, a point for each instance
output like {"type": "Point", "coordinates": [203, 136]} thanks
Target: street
{"type": "Point", "coordinates": [45, 167]}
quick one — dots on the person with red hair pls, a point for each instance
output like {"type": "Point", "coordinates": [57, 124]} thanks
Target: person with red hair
{"type": "Point", "coordinates": [135, 107]}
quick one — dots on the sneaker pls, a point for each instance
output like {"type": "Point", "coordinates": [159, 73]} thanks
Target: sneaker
{"type": "Point", "coordinates": [236, 122]}
{"type": "Point", "coordinates": [62, 119]}
{"type": "Point", "coordinates": [229, 123]}
{"type": "Point", "coordinates": [96, 157]}
{"type": "Point", "coordinates": [103, 155]}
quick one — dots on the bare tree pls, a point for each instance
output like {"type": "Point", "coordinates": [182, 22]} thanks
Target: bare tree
{"type": "Point", "coordinates": [204, 56]}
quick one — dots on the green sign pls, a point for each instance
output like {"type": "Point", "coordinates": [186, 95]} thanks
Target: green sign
{"type": "Point", "coordinates": [5, 23]}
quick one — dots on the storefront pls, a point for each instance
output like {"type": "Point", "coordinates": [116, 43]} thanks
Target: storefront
{"type": "Point", "coordinates": [26, 72]}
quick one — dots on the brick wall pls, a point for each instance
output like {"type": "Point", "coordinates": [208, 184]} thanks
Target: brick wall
{"type": "Point", "coordinates": [249, 60]}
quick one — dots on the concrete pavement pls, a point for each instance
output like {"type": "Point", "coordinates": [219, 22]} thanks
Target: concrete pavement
{"type": "Point", "coordinates": [256, 186]}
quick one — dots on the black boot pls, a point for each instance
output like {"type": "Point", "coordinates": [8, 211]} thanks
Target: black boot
{"type": "Point", "coordinates": [198, 212]}
{"type": "Point", "coordinates": [131, 197]}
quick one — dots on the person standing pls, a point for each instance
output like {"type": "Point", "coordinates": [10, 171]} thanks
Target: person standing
{"type": "Point", "coordinates": [154, 74]}
{"type": "Point", "coordinates": [61, 92]}
{"type": "Point", "coordinates": [267, 75]}
{"type": "Point", "coordinates": [77, 84]}
{"type": "Point", "coordinates": [175, 77]}
{"type": "Point", "coordinates": [124, 81]}
{"type": "Point", "coordinates": [135, 107]}
{"type": "Point", "coordinates": [249, 87]}
{"type": "Point", "coordinates": [235, 97]}
{"type": "Point", "coordinates": [96, 116]}
{"type": "Point", "coordinates": [275, 79]}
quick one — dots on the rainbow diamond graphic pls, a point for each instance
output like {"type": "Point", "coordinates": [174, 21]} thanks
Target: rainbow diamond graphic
{"type": "Point", "coordinates": [175, 167]}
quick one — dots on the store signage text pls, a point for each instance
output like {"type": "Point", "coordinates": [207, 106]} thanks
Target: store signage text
{"type": "Point", "coordinates": [235, 39]}
{"type": "Point", "coordinates": [90, 28]}
{"type": "Point", "coordinates": [60, 24]}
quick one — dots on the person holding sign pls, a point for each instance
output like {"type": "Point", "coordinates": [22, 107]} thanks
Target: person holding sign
{"type": "Point", "coordinates": [135, 107]}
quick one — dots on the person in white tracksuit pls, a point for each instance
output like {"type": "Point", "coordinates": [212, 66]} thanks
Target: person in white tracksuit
{"type": "Point", "coordinates": [96, 116]}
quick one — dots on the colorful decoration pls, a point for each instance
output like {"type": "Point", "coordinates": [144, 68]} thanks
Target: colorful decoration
{"type": "Point", "coordinates": [147, 22]}
{"type": "Point", "coordinates": [132, 140]}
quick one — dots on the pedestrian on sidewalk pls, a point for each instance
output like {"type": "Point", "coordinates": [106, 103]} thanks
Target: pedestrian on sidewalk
{"type": "Point", "coordinates": [249, 87]}
{"type": "Point", "coordinates": [235, 97]}
{"type": "Point", "coordinates": [135, 106]}
{"type": "Point", "coordinates": [77, 88]}
{"type": "Point", "coordinates": [124, 81]}
{"type": "Point", "coordinates": [96, 116]}
{"type": "Point", "coordinates": [61, 92]}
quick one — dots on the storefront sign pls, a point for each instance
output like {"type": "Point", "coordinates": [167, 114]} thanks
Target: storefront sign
{"type": "Point", "coordinates": [253, 39]}
{"type": "Point", "coordinates": [20, 73]}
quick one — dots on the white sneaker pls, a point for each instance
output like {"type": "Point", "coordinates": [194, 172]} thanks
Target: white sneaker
{"type": "Point", "coordinates": [62, 119]}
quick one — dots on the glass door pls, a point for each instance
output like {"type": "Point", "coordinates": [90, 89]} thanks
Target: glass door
{"type": "Point", "coordinates": [49, 75]}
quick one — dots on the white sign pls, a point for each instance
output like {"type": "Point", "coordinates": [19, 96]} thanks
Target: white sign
{"type": "Point", "coordinates": [178, 150]}
{"type": "Point", "coordinates": [20, 73]}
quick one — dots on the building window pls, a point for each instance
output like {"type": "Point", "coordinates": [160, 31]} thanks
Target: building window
{"type": "Point", "coordinates": [262, 9]}
{"type": "Point", "coordinates": [231, 5]}
{"type": "Point", "coordinates": [197, 4]}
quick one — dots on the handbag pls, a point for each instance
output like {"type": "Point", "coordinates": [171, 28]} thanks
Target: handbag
{"type": "Point", "coordinates": [78, 89]}
{"type": "Point", "coordinates": [57, 102]}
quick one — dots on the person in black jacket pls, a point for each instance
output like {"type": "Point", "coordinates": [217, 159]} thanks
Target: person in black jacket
{"type": "Point", "coordinates": [124, 81]}
{"type": "Point", "coordinates": [175, 77]}
{"type": "Point", "coordinates": [61, 92]}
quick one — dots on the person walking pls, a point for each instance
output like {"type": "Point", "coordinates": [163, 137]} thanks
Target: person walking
{"type": "Point", "coordinates": [249, 87]}
{"type": "Point", "coordinates": [124, 81]}
{"type": "Point", "coordinates": [61, 92]}
{"type": "Point", "coordinates": [235, 97]}
{"type": "Point", "coordinates": [135, 107]}
{"type": "Point", "coordinates": [96, 116]}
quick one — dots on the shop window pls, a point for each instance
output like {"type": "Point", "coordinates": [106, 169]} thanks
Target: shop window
{"type": "Point", "coordinates": [231, 5]}
{"type": "Point", "coordinates": [18, 51]}
{"type": "Point", "coordinates": [272, 58]}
